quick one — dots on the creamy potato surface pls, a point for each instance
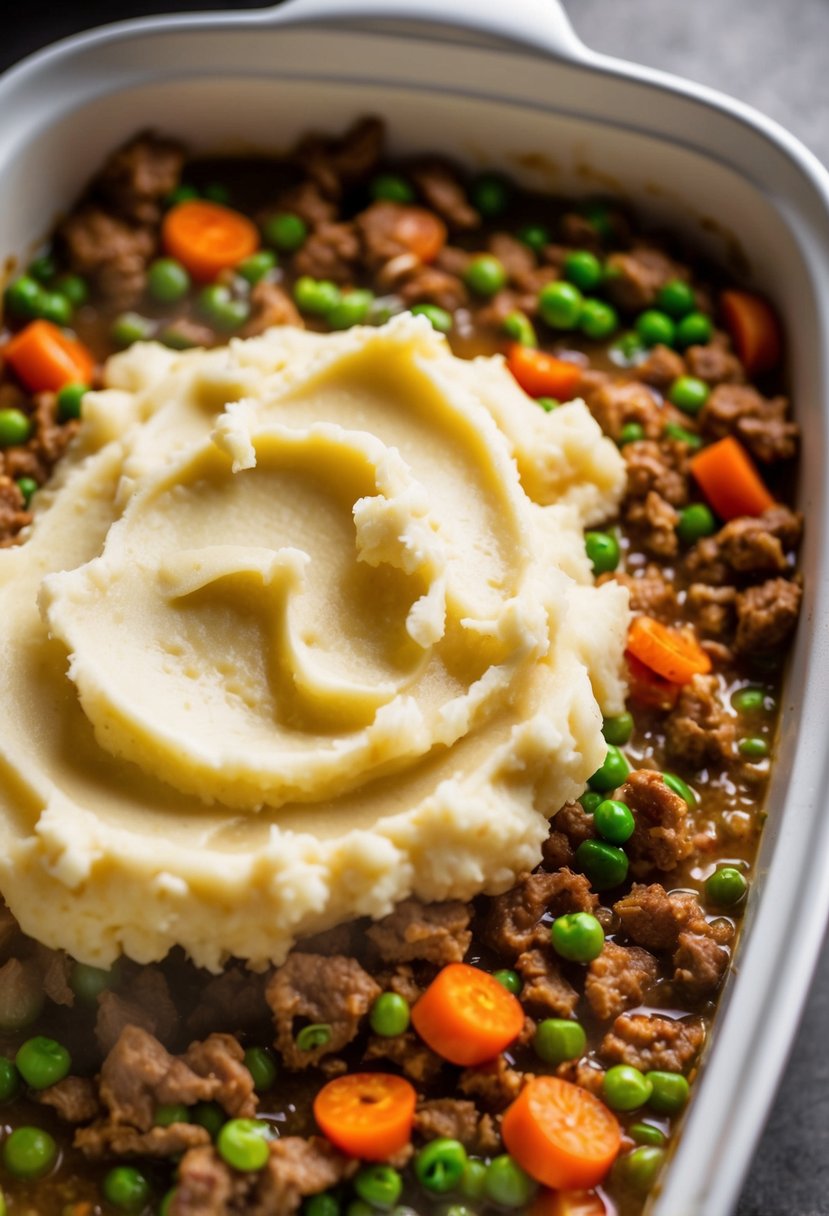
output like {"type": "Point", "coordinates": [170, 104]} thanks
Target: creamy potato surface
{"type": "Point", "coordinates": [304, 625]}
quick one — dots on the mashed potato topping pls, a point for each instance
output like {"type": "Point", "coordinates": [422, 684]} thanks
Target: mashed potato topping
{"type": "Point", "coordinates": [303, 626]}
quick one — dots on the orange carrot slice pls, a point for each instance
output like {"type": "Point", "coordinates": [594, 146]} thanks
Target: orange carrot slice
{"type": "Point", "coordinates": [647, 688]}
{"type": "Point", "coordinates": [466, 1016]}
{"type": "Point", "coordinates": [754, 328]}
{"type": "Point", "coordinates": [729, 479]}
{"type": "Point", "coordinates": [567, 1203]}
{"type": "Point", "coordinates": [541, 374]}
{"type": "Point", "coordinates": [563, 1136]}
{"type": "Point", "coordinates": [421, 231]}
{"type": "Point", "coordinates": [208, 238]}
{"type": "Point", "coordinates": [367, 1114]}
{"type": "Point", "coordinates": [674, 654]}
{"type": "Point", "coordinates": [44, 358]}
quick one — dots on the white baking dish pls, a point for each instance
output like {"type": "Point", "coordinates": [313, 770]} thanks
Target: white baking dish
{"type": "Point", "coordinates": [509, 84]}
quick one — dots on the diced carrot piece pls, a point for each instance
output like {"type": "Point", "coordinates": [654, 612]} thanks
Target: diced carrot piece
{"type": "Point", "coordinates": [541, 374]}
{"type": "Point", "coordinates": [674, 654]}
{"type": "Point", "coordinates": [754, 328]}
{"type": "Point", "coordinates": [729, 479]}
{"type": "Point", "coordinates": [44, 358]}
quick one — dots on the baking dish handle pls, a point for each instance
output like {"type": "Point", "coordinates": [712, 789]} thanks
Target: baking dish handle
{"type": "Point", "coordinates": [539, 24]}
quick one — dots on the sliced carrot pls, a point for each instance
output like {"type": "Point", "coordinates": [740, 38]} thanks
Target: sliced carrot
{"type": "Point", "coordinates": [541, 374]}
{"type": "Point", "coordinates": [208, 238]}
{"type": "Point", "coordinates": [674, 654]}
{"type": "Point", "coordinates": [421, 231]}
{"type": "Point", "coordinates": [466, 1016]}
{"type": "Point", "coordinates": [367, 1114]}
{"type": "Point", "coordinates": [567, 1203]}
{"type": "Point", "coordinates": [44, 358]}
{"type": "Point", "coordinates": [754, 328]}
{"type": "Point", "coordinates": [647, 688]}
{"type": "Point", "coordinates": [563, 1136]}
{"type": "Point", "coordinates": [729, 479]}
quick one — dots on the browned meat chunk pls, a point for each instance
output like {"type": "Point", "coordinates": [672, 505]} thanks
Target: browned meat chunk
{"type": "Point", "coordinates": [714, 362]}
{"type": "Point", "coordinates": [74, 1098]}
{"type": "Point", "coordinates": [432, 285]}
{"type": "Point", "coordinates": [614, 404]}
{"type": "Point", "coordinates": [270, 305]}
{"type": "Point", "coordinates": [574, 821]}
{"type": "Point", "coordinates": [584, 1073]}
{"type": "Point", "coordinates": [416, 1060]}
{"type": "Point", "coordinates": [767, 616]}
{"type": "Point", "coordinates": [650, 591]}
{"type": "Point", "coordinates": [234, 1000]}
{"type": "Point", "coordinates": [55, 967]}
{"type": "Point", "coordinates": [700, 963]}
{"type": "Point", "coordinates": [699, 731]}
{"type": "Point", "coordinates": [104, 1139]}
{"type": "Point", "coordinates": [332, 251]}
{"type": "Point", "coordinates": [13, 515]}
{"type": "Point", "coordinates": [517, 259]}
{"type": "Point", "coordinates": [334, 991]}
{"type": "Point", "coordinates": [494, 1085]}
{"type": "Point", "coordinates": [146, 1003]}
{"type": "Point", "coordinates": [557, 851]}
{"type": "Point", "coordinates": [655, 919]}
{"type": "Point", "coordinates": [205, 1185]}
{"type": "Point", "coordinates": [661, 367]}
{"type": "Point", "coordinates": [112, 253]}
{"type": "Point", "coordinates": [714, 609]}
{"type": "Point", "coordinates": [636, 277]}
{"type": "Point", "coordinates": [455, 1119]}
{"type": "Point", "coordinates": [334, 164]}
{"type": "Point", "coordinates": [379, 228]}
{"type": "Point", "coordinates": [655, 520]}
{"type": "Point", "coordinates": [661, 468]}
{"type": "Point", "coordinates": [438, 933]}
{"type": "Point", "coordinates": [443, 192]}
{"type": "Point", "coordinates": [21, 992]}
{"type": "Point", "coordinates": [647, 1041]}
{"type": "Point", "coordinates": [661, 838]}
{"type": "Point", "coordinates": [760, 422]}
{"type": "Point", "coordinates": [754, 547]}
{"type": "Point", "coordinates": [618, 979]}
{"type": "Point", "coordinates": [513, 917]}
{"type": "Point", "coordinates": [220, 1059]}
{"type": "Point", "coordinates": [307, 201]}
{"type": "Point", "coordinates": [138, 177]}
{"type": "Point", "coordinates": [545, 988]}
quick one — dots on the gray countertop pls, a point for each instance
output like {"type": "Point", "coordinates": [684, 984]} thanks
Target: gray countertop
{"type": "Point", "coordinates": [772, 54]}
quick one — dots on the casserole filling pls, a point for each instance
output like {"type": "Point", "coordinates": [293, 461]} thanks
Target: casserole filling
{"type": "Point", "coordinates": [528, 1050]}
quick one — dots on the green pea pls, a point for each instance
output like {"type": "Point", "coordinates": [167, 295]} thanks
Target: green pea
{"type": "Point", "coordinates": [473, 1181]}
{"type": "Point", "coordinates": [171, 1112]}
{"type": "Point", "coordinates": [55, 308]}
{"type": "Point", "coordinates": [378, 1184]}
{"type": "Point", "coordinates": [221, 309]}
{"type": "Point", "coordinates": [753, 748]}
{"type": "Point", "coordinates": [625, 1087]}
{"type": "Point", "coordinates": [74, 288]}
{"type": "Point", "coordinates": [15, 427]}
{"type": "Point", "coordinates": [584, 269]}
{"type": "Point", "coordinates": [391, 188]}
{"type": "Point", "coordinates": [612, 773]}
{"type": "Point", "coordinates": [680, 787]}
{"type": "Point", "coordinates": [243, 1144]}
{"type": "Point", "coordinates": [29, 1152]}
{"type": "Point", "coordinates": [257, 266]}
{"type": "Point", "coordinates": [126, 1188]}
{"type": "Point", "coordinates": [23, 296]}
{"type": "Point", "coordinates": [694, 330]}
{"type": "Point", "coordinates": [655, 328]}
{"type": "Point", "coordinates": [548, 404]}
{"type": "Point", "coordinates": [312, 1037]}
{"type": "Point", "coordinates": [181, 194]}
{"type": "Point", "coordinates": [285, 231]}
{"type": "Point", "coordinates": [324, 1204]}
{"type": "Point", "coordinates": [641, 1167]}
{"type": "Point", "coordinates": [590, 800]}
{"type": "Point", "coordinates": [560, 304]}
{"type": "Point", "coordinates": [9, 1080]}
{"type": "Point", "coordinates": [670, 1092]}
{"type": "Point", "coordinates": [440, 1164]}
{"type": "Point", "coordinates": [602, 550]}
{"type": "Point", "coordinates": [438, 318]}
{"type": "Point", "coordinates": [627, 350]}
{"type": "Point", "coordinates": [167, 280]}
{"type": "Point", "coordinates": [485, 275]}
{"type": "Point", "coordinates": [490, 194]}
{"type": "Point", "coordinates": [261, 1064]}
{"type": "Point", "coordinates": [351, 309]}
{"type": "Point", "coordinates": [210, 1116]}
{"type": "Point", "coordinates": [676, 298]}
{"type": "Point", "coordinates": [726, 886]}
{"type": "Point", "coordinates": [672, 431]}
{"type": "Point", "coordinates": [42, 1062]}
{"type": "Point", "coordinates": [605, 865]}
{"type": "Point", "coordinates": [43, 268]}
{"type": "Point", "coordinates": [518, 326]}
{"type": "Point", "coordinates": [69, 401]}
{"type": "Point", "coordinates": [577, 936]}
{"type": "Point", "coordinates": [598, 320]}
{"type": "Point", "coordinates": [507, 1184]}
{"type": "Point", "coordinates": [614, 821]}
{"type": "Point", "coordinates": [536, 236]}
{"type": "Point", "coordinates": [749, 700]}
{"type": "Point", "coordinates": [359, 1207]}
{"type": "Point", "coordinates": [631, 432]}
{"type": "Point", "coordinates": [317, 296]}
{"type": "Point", "coordinates": [217, 192]}
{"type": "Point", "coordinates": [647, 1133]}
{"type": "Point", "coordinates": [131, 327]}
{"type": "Point", "coordinates": [510, 980]}
{"type": "Point", "coordinates": [88, 983]}
{"type": "Point", "coordinates": [389, 1015]}
{"type": "Point", "coordinates": [618, 729]}
{"type": "Point", "coordinates": [27, 487]}
{"type": "Point", "coordinates": [695, 521]}
{"type": "Point", "coordinates": [557, 1039]}
{"type": "Point", "coordinates": [688, 394]}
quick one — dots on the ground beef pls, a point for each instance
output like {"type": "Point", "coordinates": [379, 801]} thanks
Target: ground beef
{"type": "Point", "coordinates": [614, 404]}
{"type": "Point", "coordinates": [545, 988]}
{"type": "Point", "coordinates": [443, 192]}
{"type": "Point", "coordinates": [512, 920]}
{"type": "Point", "coordinates": [714, 362]}
{"type": "Point", "coordinates": [306, 200]}
{"type": "Point", "coordinates": [618, 979]}
{"type": "Point", "coordinates": [661, 468]}
{"type": "Point", "coordinates": [518, 260]}
{"type": "Point", "coordinates": [220, 1059]}
{"type": "Point", "coordinates": [455, 1119]}
{"type": "Point", "coordinates": [104, 1139]}
{"type": "Point", "coordinates": [137, 178]}
{"type": "Point", "coordinates": [74, 1098]}
{"type": "Point", "coordinates": [650, 591]}
{"type": "Point", "coordinates": [495, 1085]}
{"type": "Point", "coordinates": [331, 251]}
{"type": "Point", "coordinates": [751, 547]}
{"type": "Point", "coordinates": [378, 227]}
{"type": "Point", "coordinates": [661, 837]}
{"type": "Point", "coordinates": [313, 988]}
{"type": "Point", "coordinates": [586, 1073]}
{"type": "Point", "coordinates": [409, 1053]}
{"type": "Point", "coordinates": [145, 1002]}
{"type": "Point", "coordinates": [232, 1001]}
{"type": "Point", "coordinates": [699, 731]}
{"type": "Point", "coordinates": [20, 989]}
{"type": "Point", "coordinates": [205, 1185]}
{"type": "Point", "coordinates": [766, 616]}
{"type": "Point", "coordinates": [431, 285]}
{"type": "Point", "coordinates": [55, 967]}
{"type": "Point", "coordinates": [438, 933]}
{"type": "Point", "coordinates": [761, 423]}
{"type": "Point", "coordinates": [270, 305]}
{"type": "Point", "coordinates": [574, 821]}
{"type": "Point", "coordinates": [647, 1041]}
{"type": "Point", "coordinates": [655, 521]}
{"type": "Point", "coordinates": [557, 851]}
{"type": "Point", "coordinates": [110, 252]}
{"type": "Point", "coordinates": [652, 918]}
{"type": "Point", "coordinates": [714, 609]}
{"type": "Point", "coordinates": [661, 367]}
{"type": "Point", "coordinates": [334, 164]}
{"type": "Point", "coordinates": [13, 514]}
{"type": "Point", "coordinates": [634, 278]}
{"type": "Point", "coordinates": [700, 963]}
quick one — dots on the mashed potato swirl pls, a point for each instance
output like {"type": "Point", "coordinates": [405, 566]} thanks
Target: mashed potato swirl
{"type": "Point", "coordinates": [304, 625]}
